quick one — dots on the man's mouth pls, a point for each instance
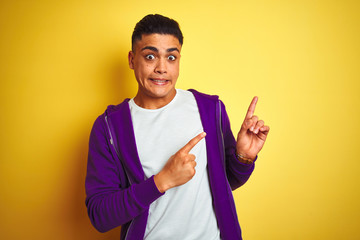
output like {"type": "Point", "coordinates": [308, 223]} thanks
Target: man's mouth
{"type": "Point", "coordinates": [158, 81]}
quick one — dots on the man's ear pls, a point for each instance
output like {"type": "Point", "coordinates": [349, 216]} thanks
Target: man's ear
{"type": "Point", "coordinates": [131, 59]}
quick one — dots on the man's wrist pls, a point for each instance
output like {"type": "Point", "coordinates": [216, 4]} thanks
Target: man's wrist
{"type": "Point", "coordinates": [244, 159]}
{"type": "Point", "coordinates": [160, 183]}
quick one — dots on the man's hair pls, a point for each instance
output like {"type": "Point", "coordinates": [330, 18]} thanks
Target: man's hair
{"type": "Point", "coordinates": [156, 23]}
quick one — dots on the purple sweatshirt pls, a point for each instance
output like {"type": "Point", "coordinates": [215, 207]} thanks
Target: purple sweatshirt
{"type": "Point", "coordinates": [118, 192]}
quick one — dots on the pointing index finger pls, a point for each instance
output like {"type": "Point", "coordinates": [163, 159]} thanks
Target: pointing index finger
{"type": "Point", "coordinates": [193, 142]}
{"type": "Point", "coordinates": [251, 109]}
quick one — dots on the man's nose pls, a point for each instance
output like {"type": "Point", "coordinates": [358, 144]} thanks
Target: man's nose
{"type": "Point", "coordinates": [161, 66]}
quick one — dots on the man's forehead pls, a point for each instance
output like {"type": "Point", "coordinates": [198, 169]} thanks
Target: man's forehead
{"type": "Point", "coordinates": [158, 41]}
{"type": "Point", "coordinates": [151, 48]}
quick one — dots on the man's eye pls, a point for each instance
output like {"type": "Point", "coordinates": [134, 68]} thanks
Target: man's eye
{"type": "Point", "coordinates": [171, 58]}
{"type": "Point", "coordinates": [150, 57]}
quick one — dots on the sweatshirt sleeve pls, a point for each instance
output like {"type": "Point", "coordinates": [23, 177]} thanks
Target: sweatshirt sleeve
{"type": "Point", "coordinates": [237, 173]}
{"type": "Point", "coordinates": [110, 200]}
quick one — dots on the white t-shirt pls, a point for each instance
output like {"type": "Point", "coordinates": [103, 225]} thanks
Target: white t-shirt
{"type": "Point", "coordinates": [184, 212]}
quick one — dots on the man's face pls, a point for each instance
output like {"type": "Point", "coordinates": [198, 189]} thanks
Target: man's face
{"type": "Point", "coordinates": [155, 61]}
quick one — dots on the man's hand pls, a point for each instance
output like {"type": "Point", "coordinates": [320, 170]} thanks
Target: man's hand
{"type": "Point", "coordinates": [180, 168]}
{"type": "Point", "coordinates": [252, 135]}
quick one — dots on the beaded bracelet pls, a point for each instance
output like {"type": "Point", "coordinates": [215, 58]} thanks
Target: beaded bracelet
{"type": "Point", "coordinates": [244, 159]}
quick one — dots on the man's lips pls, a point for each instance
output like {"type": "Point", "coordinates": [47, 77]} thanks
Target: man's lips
{"type": "Point", "coordinates": [159, 81]}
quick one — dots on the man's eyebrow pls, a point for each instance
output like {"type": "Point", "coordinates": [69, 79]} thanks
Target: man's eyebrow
{"type": "Point", "coordinates": [172, 49]}
{"type": "Point", "coordinates": [150, 48]}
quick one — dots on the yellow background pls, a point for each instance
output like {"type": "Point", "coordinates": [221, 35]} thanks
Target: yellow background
{"type": "Point", "coordinates": [63, 62]}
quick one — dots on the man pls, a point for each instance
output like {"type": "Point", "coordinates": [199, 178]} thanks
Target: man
{"type": "Point", "coordinates": [150, 167]}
